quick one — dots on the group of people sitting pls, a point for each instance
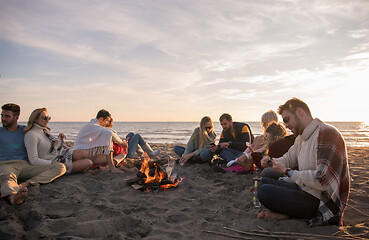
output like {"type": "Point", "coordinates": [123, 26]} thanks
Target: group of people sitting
{"type": "Point", "coordinates": [304, 175]}
{"type": "Point", "coordinates": [32, 155]}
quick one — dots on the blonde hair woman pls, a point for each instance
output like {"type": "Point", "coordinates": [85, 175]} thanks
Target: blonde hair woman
{"type": "Point", "coordinates": [260, 144]}
{"type": "Point", "coordinates": [43, 148]}
{"type": "Point", "coordinates": [200, 140]}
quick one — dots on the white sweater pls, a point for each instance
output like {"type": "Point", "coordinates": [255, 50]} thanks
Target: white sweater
{"type": "Point", "coordinates": [303, 154]}
{"type": "Point", "coordinates": [38, 146]}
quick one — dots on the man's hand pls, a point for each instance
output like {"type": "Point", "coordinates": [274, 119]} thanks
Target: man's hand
{"type": "Point", "coordinates": [278, 166]}
{"type": "Point", "coordinates": [265, 161]}
{"type": "Point", "coordinates": [224, 145]}
{"type": "Point", "coordinates": [214, 148]}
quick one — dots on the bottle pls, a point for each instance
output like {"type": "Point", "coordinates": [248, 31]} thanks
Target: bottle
{"type": "Point", "coordinates": [256, 180]}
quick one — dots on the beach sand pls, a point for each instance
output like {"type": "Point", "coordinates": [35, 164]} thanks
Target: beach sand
{"type": "Point", "coordinates": [101, 205]}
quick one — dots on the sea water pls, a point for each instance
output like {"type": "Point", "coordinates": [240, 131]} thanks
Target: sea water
{"type": "Point", "coordinates": [355, 133]}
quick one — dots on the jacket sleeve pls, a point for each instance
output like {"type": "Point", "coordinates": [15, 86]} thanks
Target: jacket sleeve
{"type": "Point", "coordinates": [31, 141]}
{"type": "Point", "coordinates": [116, 138]}
{"type": "Point", "coordinates": [221, 139]}
{"type": "Point", "coordinates": [191, 145]}
{"type": "Point", "coordinates": [240, 143]}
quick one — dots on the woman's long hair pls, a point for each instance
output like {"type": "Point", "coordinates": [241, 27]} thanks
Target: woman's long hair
{"type": "Point", "coordinates": [33, 117]}
{"type": "Point", "coordinates": [276, 131]}
{"type": "Point", "coordinates": [267, 118]}
{"type": "Point", "coordinates": [203, 134]}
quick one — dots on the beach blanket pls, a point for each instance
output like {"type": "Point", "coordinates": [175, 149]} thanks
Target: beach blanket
{"type": "Point", "coordinates": [333, 175]}
{"type": "Point", "coordinates": [94, 138]}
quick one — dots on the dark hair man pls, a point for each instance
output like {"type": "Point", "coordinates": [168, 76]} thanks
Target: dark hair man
{"type": "Point", "coordinates": [319, 189]}
{"type": "Point", "coordinates": [233, 139]}
{"type": "Point", "coordinates": [14, 161]}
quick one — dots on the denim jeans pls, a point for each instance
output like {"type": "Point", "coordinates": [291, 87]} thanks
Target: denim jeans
{"type": "Point", "coordinates": [287, 198]}
{"type": "Point", "coordinates": [229, 154]}
{"type": "Point", "coordinates": [271, 173]}
{"type": "Point", "coordinates": [205, 156]}
{"type": "Point", "coordinates": [134, 140]}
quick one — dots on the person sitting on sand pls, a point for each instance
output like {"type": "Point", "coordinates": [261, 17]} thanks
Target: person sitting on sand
{"type": "Point", "coordinates": [98, 140]}
{"type": "Point", "coordinates": [200, 141]}
{"type": "Point", "coordinates": [14, 164]}
{"type": "Point", "coordinates": [136, 144]}
{"type": "Point", "coordinates": [233, 138]}
{"type": "Point", "coordinates": [245, 162]}
{"type": "Point", "coordinates": [259, 144]}
{"type": "Point", "coordinates": [319, 190]}
{"type": "Point", "coordinates": [43, 148]}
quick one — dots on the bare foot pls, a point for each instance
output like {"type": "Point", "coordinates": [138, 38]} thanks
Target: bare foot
{"type": "Point", "coordinates": [116, 170]}
{"type": "Point", "coordinates": [18, 198]}
{"type": "Point", "coordinates": [104, 169]}
{"type": "Point", "coordinates": [272, 215]}
{"type": "Point", "coordinates": [23, 184]}
{"type": "Point", "coordinates": [130, 170]}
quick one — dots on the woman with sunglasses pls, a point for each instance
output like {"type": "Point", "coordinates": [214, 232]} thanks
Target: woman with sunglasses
{"type": "Point", "coordinates": [43, 148]}
{"type": "Point", "coordinates": [201, 139]}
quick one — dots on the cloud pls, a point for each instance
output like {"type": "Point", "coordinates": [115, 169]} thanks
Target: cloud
{"type": "Point", "coordinates": [182, 55]}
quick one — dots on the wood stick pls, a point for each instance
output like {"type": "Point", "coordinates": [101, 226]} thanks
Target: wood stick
{"type": "Point", "coordinates": [288, 234]}
{"type": "Point", "coordinates": [255, 233]}
{"type": "Point", "coordinates": [357, 210]}
{"type": "Point", "coordinates": [266, 231]}
{"type": "Point", "coordinates": [217, 210]}
{"type": "Point", "coordinates": [226, 235]}
{"type": "Point", "coordinates": [358, 222]}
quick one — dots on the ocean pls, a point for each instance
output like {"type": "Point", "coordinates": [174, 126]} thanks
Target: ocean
{"type": "Point", "coordinates": [355, 133]}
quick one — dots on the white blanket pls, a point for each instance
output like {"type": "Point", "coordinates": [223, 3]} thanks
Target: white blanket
{"type": "Point", "coordinates": [94, 138]}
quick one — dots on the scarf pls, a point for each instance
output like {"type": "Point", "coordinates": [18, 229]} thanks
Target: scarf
{"type": "Point", "coordinates": [333, 174]}
{"type": "Point", "coordinates": [94, 138]}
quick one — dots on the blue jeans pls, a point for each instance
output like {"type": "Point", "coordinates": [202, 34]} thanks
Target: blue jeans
{"type": "Point", "coordinates": [287, 198]}
{"type": "Point", "coordinates": [229, 154]}
{"type": "Point", "coordinates": [205, 156]}
{"type": "Point", "coordinates": [134, 140]}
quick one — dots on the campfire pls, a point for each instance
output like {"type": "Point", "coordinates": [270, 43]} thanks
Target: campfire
{"type": "Point", "coordinates": [153, 177]}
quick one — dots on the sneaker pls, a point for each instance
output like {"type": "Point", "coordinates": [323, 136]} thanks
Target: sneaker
{"type": "Point", "coordinates": [230, 163]}
{"type": "Point", "coordinates": [155, 153]}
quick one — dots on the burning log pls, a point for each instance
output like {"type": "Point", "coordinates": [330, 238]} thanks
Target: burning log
{"type": "Point", "coordinates": [151, 177]}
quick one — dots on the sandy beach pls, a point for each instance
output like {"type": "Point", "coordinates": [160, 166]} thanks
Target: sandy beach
{"type": "Point", "coordinates": [206, 204]}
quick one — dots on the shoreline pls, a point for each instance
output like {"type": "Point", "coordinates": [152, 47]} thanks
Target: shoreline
{"type": "Point", "coordinates": [100, 205]}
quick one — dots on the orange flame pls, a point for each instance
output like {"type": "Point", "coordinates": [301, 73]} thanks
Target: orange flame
{"type": "Point", "coordinates": [158, 176]}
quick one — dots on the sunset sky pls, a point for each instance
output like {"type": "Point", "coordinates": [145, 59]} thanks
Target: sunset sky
{"type": "Point", "coordinates": [171, 60]}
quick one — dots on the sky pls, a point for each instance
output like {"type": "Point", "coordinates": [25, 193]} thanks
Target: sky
{"type": "Point", "coordinates": [180, 60]}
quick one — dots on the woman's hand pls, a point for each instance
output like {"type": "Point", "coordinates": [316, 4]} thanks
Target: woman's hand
{"type": "Point", "coordinates": [124, 144]}
{"type": "Point", "coordinates": [185, 158]}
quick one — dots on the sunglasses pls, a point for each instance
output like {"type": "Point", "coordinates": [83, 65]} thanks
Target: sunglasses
{"type": "Point", "coordinates": [206, 128]}
{"type": "Point", "coordinates": [46, 118]}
